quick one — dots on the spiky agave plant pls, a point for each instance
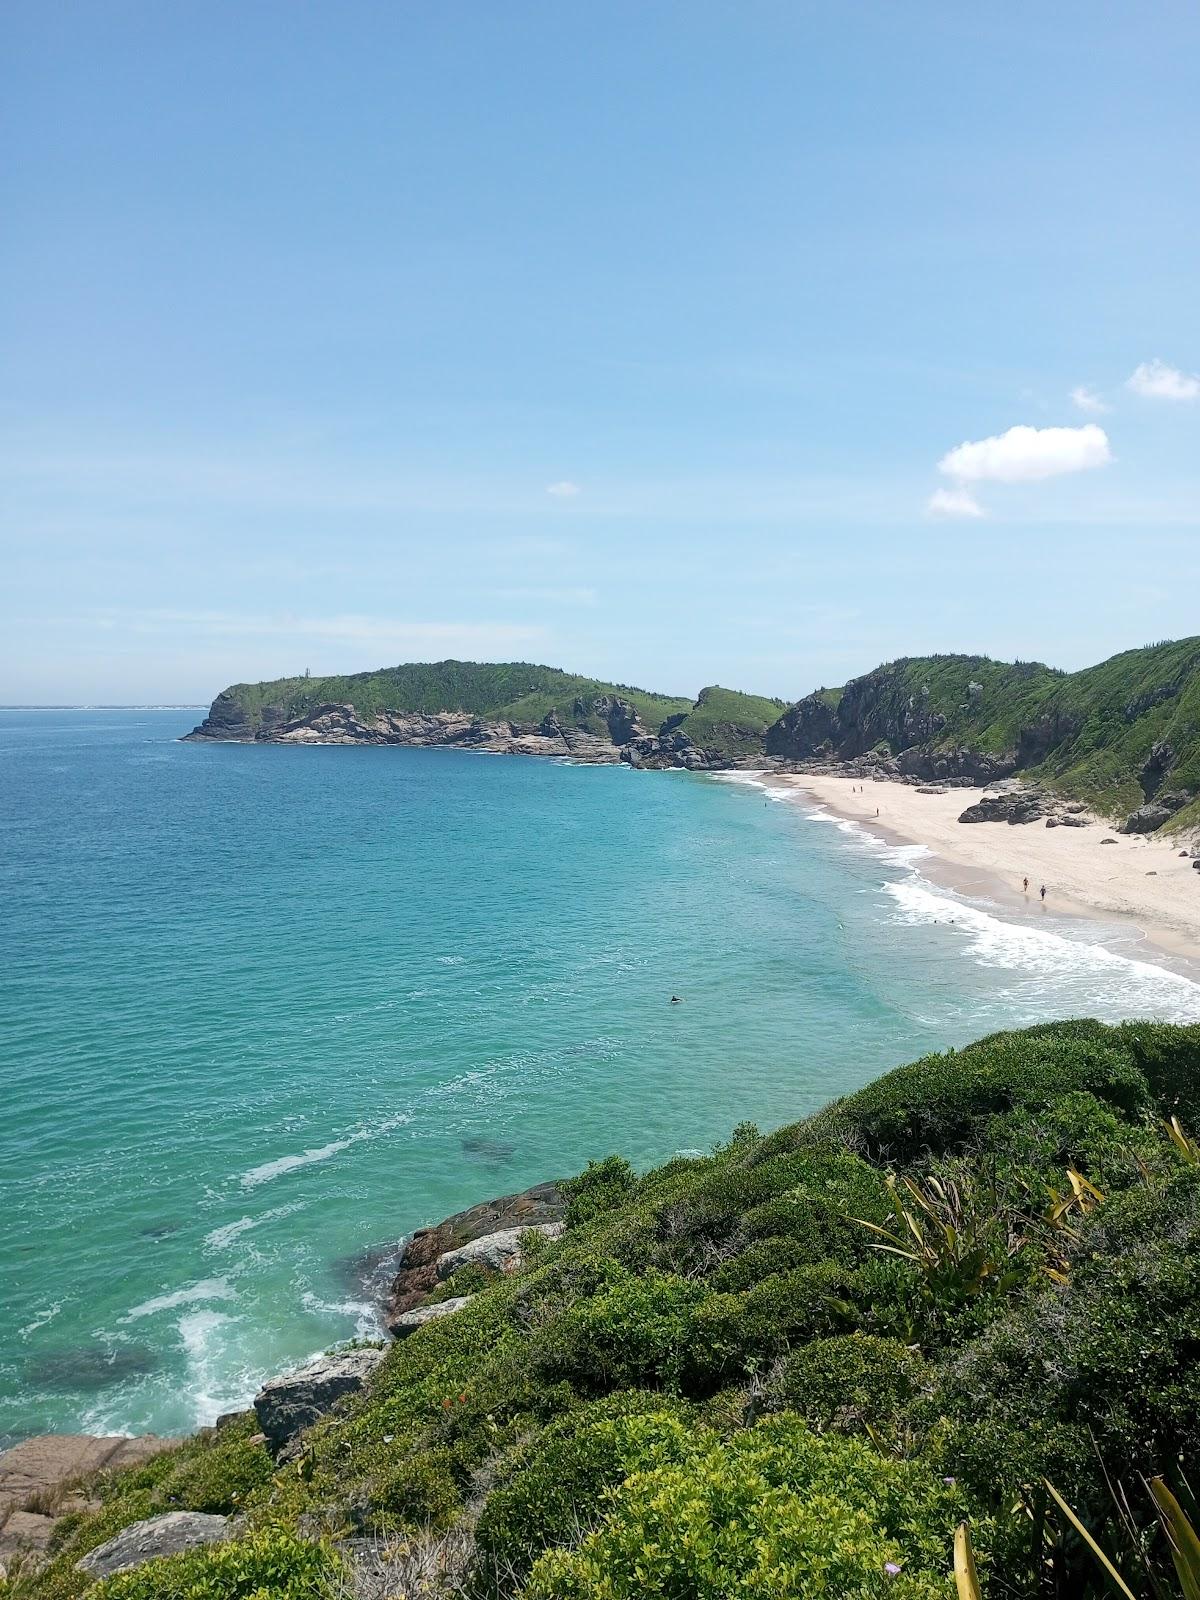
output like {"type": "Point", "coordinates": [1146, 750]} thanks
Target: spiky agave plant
{"type": "Point", "coordinates": [1181, 1536]}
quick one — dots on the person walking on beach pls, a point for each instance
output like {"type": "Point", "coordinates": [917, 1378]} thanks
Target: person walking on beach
{"type": "Point", "coordinates": [1043, 894]}
{"type": "Point", "coordinates": [1025, 881]}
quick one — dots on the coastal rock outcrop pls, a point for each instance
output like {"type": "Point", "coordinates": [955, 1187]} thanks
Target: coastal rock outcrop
{"type": "Point", "coordinates": [166, 1535]}
{"type": "Point", "coordinates": [409, 1321]}
{"type": "Point", "coordinates": [37, 1478]}
{"type": "Point", "coordinates": [417, 1274]}
{"type": "Point", "coordinates": [498, 1252]}
{"type": "Point", "coordinates": [287, 1405]}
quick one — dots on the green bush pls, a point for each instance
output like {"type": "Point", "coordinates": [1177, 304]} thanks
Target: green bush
{"type": "Point", "coordinates": [269, 1565]}
{"type": "Point", "coordinates": [631, 1333]}
{"type": "Point", "coordinates": [776, 1514]}
{"type": "Point", "coordinates": [938, 1103]}
{"type": "Point", "coordinates": [417, 1492]}
{"type": "Point", "coordinates": [603, 1186]}
{"type": "Point", "coordinates": [555, 1488]}
{"type": "Point", "coordinates": [848, 1382]}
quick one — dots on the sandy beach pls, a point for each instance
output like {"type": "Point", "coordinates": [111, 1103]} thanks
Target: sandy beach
{"type": "Point", "coordinates": [1143, 881]}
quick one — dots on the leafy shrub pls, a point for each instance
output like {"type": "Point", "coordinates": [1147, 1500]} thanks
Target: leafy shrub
{"type": "Point", "coordinates": [776, 1513]}
{"type": "Point", "coordinates": [938, 1103]}
{"type": "Point", "coordinates": [556, 1487]}
{"type": "Point", "coordinates": [221, 1478]}
{"type": "Point", "coordinates": [418, 1492]}
{"type": "Point", "coordinates": [602, 1186]}
{"type": "Point", "coordinates": [632, 1332]}
{"type": "Point", "coordinates": [271, 1563]}
{"type": "Point", "coordinates": [847, 1382]}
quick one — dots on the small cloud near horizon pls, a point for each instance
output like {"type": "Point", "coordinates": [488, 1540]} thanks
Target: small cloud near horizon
{"type": "Point", "coordinates": [1155, 380]}
{"type": "Point", "coordinates": [566, 490]}
{"type": "Point", "coordinates": [1026, 455]}
{"type": "Point", "coordinates": [1088, 400]}
{"type": "Point", "coordinates": [954, 503]}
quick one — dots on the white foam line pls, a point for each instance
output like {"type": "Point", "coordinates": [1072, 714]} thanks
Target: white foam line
{"type": "Point", "coordinates": [270, 1170]}
{"type": "Point", "coordinates": [221, 1238]}
{"type": "Point", "coordinates": [209, 1289]}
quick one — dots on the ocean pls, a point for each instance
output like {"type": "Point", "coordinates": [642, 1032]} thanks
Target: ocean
{"type": "Point", "coordinates": [265, 1008]}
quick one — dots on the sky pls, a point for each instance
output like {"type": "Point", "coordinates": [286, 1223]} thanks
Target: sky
{"type": "Point", "coordinates": [674, 342]}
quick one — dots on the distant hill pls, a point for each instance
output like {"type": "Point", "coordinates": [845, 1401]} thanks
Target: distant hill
{"type": "Point", "coordinates": [1121, 735]}
{"type": "Point", "coordinates": [1124, 736]}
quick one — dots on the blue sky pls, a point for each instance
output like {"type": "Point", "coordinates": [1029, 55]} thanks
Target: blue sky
{"type": "Point", "coordinates": [627, 336]}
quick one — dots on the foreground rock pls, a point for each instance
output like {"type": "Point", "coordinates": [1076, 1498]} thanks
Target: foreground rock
{"type": "Point", "coordinates": [167, 1535]}
{"type": "Point", "coordinates": [287, 1405]}
{"type": "Point", "coordinates": [409, 1321]}
{"type": "Point", "coordinates": [1015, 807]}
{"type": "Point", "coordinates": [498, 1252]}
{"type": "Point", "coordinates": [417, 1270]}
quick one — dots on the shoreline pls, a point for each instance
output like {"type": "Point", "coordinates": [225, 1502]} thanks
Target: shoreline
{"type": "Point", "coordinates": [1138, 883]}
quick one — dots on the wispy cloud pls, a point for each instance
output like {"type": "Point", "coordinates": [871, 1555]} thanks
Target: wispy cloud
{"type": "Point", "coordinates": [565, 490]}
{"type": "Point", "coordinates": [1088, 400]}
{"type": "Point", "coordinates": [581, 596]}
{"type": "Point", "coordinates": [1155, 380]}
{"type": "Point", "coordinates": [1026, 455]}
{"type": "Point", "coordinates": [954, 503]}
{"type": "Point", "coordinates": [349, 628]}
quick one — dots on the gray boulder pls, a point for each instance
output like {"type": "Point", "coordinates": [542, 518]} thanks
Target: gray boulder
{"type": "Point", "coordinates": [285, 1406]}
{"type": "Point", "coordinates": [406, 1322]}
{"type": "Point", "coordinates": [500, 1252]}
{"type": "Point", "coordinates": [157, 1536]}
{"type": "Point", "coordinates": [1146, 818]}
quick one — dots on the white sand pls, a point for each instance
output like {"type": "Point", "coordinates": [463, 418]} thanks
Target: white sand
{"type": "Point", "coordinates": [1142, 880]}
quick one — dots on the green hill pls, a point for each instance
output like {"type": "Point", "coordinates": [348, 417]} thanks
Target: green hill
{"type": "Point", "coordinates": [729, 722]}
{"type": "Point", "coordinates": [786, 1370]}
{"type": "Point", "coordinates": [513, 691]}
{"type": "Point", "coordinates": [1116, 735]}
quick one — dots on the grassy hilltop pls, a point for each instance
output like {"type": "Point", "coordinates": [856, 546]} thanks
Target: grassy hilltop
{"type": "Point", "coordinates": [1114, 735]}
{"type": "Point", "coordinates": [786, 1370]}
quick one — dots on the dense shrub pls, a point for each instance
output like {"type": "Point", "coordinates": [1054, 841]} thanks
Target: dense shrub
{"type": "Point", "coordinates": [632, 1332]}
{"type": "Point", "coordinates": [937, 1103]}
{"type": "Point", "coordinates": [417, 1492]}
{"type": "Point", "coordinates": [555, 1488]}
{"type": "Point", "coordinates": [270, 1564]}
{"type": "Point", "coordinates": [847, 1382]}
{"type": "Point", "coordinates": [775, 1514]}
{"type": "Point", "coordinates": [602, 1186]}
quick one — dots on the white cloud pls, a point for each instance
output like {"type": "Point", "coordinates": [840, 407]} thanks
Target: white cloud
{"type": "Point", "coordinates": [566, 490]}
{"type": "Point", "coordinates": [1088, 400]}
{"type": "Point", "coordinates": [1025, 454]}
{"type": "Point", "coordinates": [1155, 380]}
{"type": "Point", "coordinates": [954, 503]}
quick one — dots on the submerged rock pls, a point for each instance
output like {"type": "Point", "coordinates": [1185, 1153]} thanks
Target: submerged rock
{"type": "Point", "coordinates": [167, 1535]}
{"type": "Point", "coordinates": [287, 1405]}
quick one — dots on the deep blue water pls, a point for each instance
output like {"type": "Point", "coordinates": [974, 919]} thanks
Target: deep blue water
{"type": "Point", "coordinates": [262, 1008]}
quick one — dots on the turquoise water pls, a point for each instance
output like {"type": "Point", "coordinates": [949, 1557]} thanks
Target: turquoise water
{"type": "Point", "coordinates": [263, 1008]}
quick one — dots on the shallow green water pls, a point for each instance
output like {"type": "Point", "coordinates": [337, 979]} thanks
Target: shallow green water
{"type": "Point", "coordinates": [262, 1008]}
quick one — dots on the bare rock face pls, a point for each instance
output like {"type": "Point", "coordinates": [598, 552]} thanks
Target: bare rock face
{"type": "Point", "coordinates": [157, 1536]}
{"type": "Point", "coordinates": [417, 1273]}
{"type": "Point", "coordinates": [499, 1252]}
{"type": "Point", "coordinates": [1016, 806]}
{"type": "Point", "coordinates": [287, 1405]}
{"type": "Point", "coordinates": [409, 1321]}
{"type": "Point", "coordinates": [1147, 818]}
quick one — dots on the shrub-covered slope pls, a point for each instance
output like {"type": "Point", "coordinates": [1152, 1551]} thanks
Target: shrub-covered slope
{"type": "Point", "coordinates": [787, 1369]}
{"type": "Point", "coordinates": [729, 722]}
{"type": "Point", "coordinates": [1116, 735]}
{"type": "Point", "coordinates": [511, 691]}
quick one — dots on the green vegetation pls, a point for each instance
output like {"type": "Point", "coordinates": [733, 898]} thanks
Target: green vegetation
{"type": "Point", "coordinates": [729, 723]}
{"type": "Point", "coordinates": [1113, 735]}
{"type": "Point", "coordinates": [509, 691]}
{"type": "Point", "coordinates": [791, 1368]}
